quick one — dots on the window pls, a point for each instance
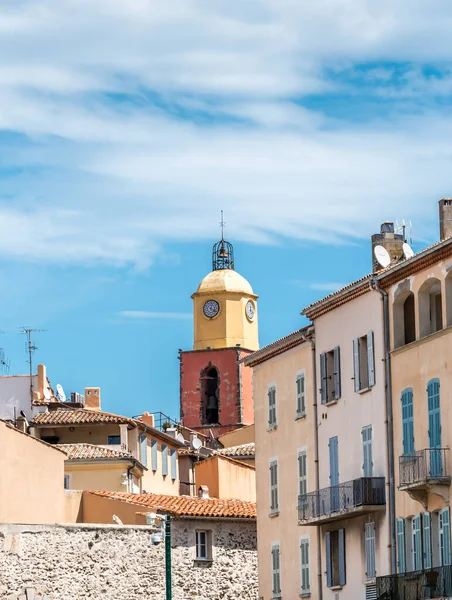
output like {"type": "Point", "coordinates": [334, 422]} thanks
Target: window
{"type": "Point", "coordinates": [404, 318]}
{"type": "Point", "coordinates": [114, 439]}
{"type": "Point", "coordinates": [369, 533]}
{"type": "Point", "coordinates": [364, 362]}
{"type": "Point", "coordinates": [434, 427]}
{"type": "Point", "coordinates": [210, 394]}
{"type": "Point", "coordinates": [430, 307]}
{"type": "Point", "coordinates": [276, 571]}
{"type": "Point", "coordinates": [164, 459]}
{"type": "Point", "coordinates": [330, 375]}
{"type": "Point", "coordinates": [401, 560]}
{"type": "Point", "coordinates": [272, 406]}
{"type": "Point", "coordinates": [301, 394]}
{"type": "Point", "coordinates": [302, 474]}
{"type": "Point", "coordinates": [67, 482]}
{"type": "Point", "coordinates": [367, 451]}
{"type": "Point", "coordinates": [143, 449]}
{"type": "Point", "coordinates": [173, 464]}
{"type": "Point", "coordinates": [203, 545]}
{"type": "Point", "coordinates": [444, 537]}
{"type": "Point", "coordinates": [304, 564]}
{"type": "Point", "coordinates": [335, 558]}
{"type": "Point", "coordinates": [407, 422]}
{"type": "Point", "coordinates": [274, 500]}
{"type": "Point", "coordinates": [154, 455]}
{"type": "Point", "coordinates": [427, 540]}
{"type": "Point", "coordinates": [416, 542]}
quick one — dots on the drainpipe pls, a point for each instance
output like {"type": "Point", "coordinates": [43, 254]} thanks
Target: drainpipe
{"type": "Point", "coordinates": [310, 338]}
{"type": "Point", "coordinates": [389, 425]}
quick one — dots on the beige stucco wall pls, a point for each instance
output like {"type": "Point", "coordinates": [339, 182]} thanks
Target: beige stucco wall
{"type": "Point", "coordinates": [283, 443]}
{"type": "Point", "coordinates": [31, 480]}
{"type": "Point", "coordinates": [345, 419]}
{"type": "Point", "coordinates": [226, 478]}
{"type": "Point", "coordinates": [73, 506]}
{"type": "Point", "coordinates": [153, 481]}
{"type": "Point", "coordinates": [103, 476]}
{"type": "Point", "coordinates": [244, 435]}
{"type": "Point", "coordinates": [90, 434]}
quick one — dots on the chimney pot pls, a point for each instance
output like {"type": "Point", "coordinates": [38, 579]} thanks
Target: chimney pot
{"type": "Point", "coordinates": [445, 218]}
{"type": "Point", "coordinates": [92, 398]}
{"type": "Point", "coordinates": [203, 491]}
{"type": "Point", "coordinates": [147, 419]}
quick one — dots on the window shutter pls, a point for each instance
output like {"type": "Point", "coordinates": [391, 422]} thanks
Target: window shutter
{"type": "Point", "coordinates": [367, 451]}
{"type": "Point", "coordinates": [164, 459]}
{"type": "Point", "coordinates": [302, 473]}
{"type": "Point", "coordinates": [445, 541]}
{"type": "Point", "coordinates": [427, 541]}
{"type": "Point", "coordinates": [173, 464]}
{"type": "Point", "coordinates": [329, 570]}
{"type": "Point", "coordinates": [301, 397]}
{"type": "Point", "coordinates": [342, 574]}
{"type": "Point", "coordinates": [416, 543]}
{"type": "Point", "coordinates": [401, 545]}
{"type": "Point", "coordinates": [370, 549]}
{"type": "Point", "coordinates": [337, 373]}
{"type": "Point", "coordinates": [356, 364]}
{"type": "Point", "coordinates": [407, 421]}
{"type": "Point", "coordinates": [272, 407]}
{"type": "Point", "coordinates": [143, 449]}
{"type": "Point", "coordinates": [371, 358]}
{"type": "Point", "coordinates": [276, 571]}
{"type": "Point", "coordinates": [323, 379]}
{"type": "Point", "coordinates": [154, 455]}
{"type": "Point", "coordinates": [304, 557]}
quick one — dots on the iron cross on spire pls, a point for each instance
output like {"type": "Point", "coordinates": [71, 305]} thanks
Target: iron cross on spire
{"type": "Point", "coordinates": [222, 225]}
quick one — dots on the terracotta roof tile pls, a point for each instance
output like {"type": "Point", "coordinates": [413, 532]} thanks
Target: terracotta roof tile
{"type": "Point", "coordinates": [237, 451]}
{"type": "Point", "coordinates": [187, 506]}
{"type": "Point", "coordinates": [91, 451]}
{"type": "Point", "coordinates": [79, 416]}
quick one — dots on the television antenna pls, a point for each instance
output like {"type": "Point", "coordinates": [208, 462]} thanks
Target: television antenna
{"type": "Point", "coordinates": [5, 362]}
{"type": "Point", "coordinates": [402, 227]}
{"type": "Point", "coordinates": [30, 349]}
{"type": "Point", "coordinates": [382, 256]}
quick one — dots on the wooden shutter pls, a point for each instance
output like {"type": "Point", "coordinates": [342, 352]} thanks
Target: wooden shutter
{"type": "Point", "coordinates": [370, 549]}
{"type": "Point", "coordinates": [154, 455]}
{"type": "Point", "coordinates": [407, 422]}
{"type": "Point", "coordinates": [304, 558]}
{"type": "Point", "coordinates": [273, 486]}
{"type": "Point", "coordinates": [416, 542]}
{"type": "Point", "coordinates": [427, 540]}
{"type": "Point", "coordinates": [301, 395]}
{"type": "Point", "coordinates": [337, 372]}
{"type": "Point", "coordinates": [276, 570]}
{"type": "Point", "coordinates": [367, 451]}
{"type": "Point", "coordinates": [323, 379]}
{"type": "Point", "coordinates": [356, 370]}
{"type": "Point", "coordinates": [173, 464]}
{"type": "Point", "coordinates": [401, 545]}
{"type": "Point", "coordinates": [444, 526]}
{"type": "Point", "coordinates": [272, 406]}
{"type": "Point", "coordinates": [302, 473]}
{"type": "Point", "coordinates": [342, 571]}
{"type": "Point", "coordinates": [143, 449]}
{"type": "Point", "coordinates": [164, 459]}
{"type": "Point", "coordinates": [329, 570]}
{"type": "Point", "coordinates": [371, 358]}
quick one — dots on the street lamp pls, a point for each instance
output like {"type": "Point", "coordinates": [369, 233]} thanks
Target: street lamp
{"type": "Point", "coordinates": [163, 531]}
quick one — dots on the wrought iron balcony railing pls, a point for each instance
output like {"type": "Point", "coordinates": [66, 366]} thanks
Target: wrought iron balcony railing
{"type": "Point", "coordinates": [343, 498]}
{"type": "Point", "coordinates": [423, 466]}
{"type": "Point", "coordinates": [431, 583]}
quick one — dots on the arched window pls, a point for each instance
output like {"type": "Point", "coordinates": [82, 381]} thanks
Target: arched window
{"type": "Point", "coordinates": [430, 307]}
{"type": "Point", "coordinates": [404, 319]}
{"type": "Point", "coordinates": [210, 396]}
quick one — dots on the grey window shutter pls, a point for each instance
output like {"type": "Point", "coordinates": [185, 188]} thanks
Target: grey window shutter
{"type": "Point", "coordinates": [164, 459]}
{"type": "Point", "coordinates": [356, 364]}
{"type": "Point", "coordinates": [154, 455]}
{"type": "Point", "coordinates": [329, 571]}
{"type": "Point", "coordinates": [323, 379]}
{"type": "Point", "coordinates": [173, 464]}
{"type": "Point", "coordinates": [143, 449]}
{"type": "Point", "coordinates": [337, 373]}
{"type": "Point", "coordinates": [342, 576]}
{"type": "Point", "coordinates": [371, 358]}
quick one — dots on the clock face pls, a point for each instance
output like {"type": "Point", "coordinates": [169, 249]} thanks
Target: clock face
{"type": "Point", "coordinates": [211, 309]}
{"type": "Point", "coordinates": [250, 310]}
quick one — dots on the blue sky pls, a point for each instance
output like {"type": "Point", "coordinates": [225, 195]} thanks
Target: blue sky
{"type": "Point", "coordinates": [126, 127]}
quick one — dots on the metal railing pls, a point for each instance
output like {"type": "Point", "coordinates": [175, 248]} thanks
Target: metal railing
{"type": "Point", "coordinates": [420, 466]}
{"type": "Point", "coordinates": [431, 583]}
{"type": "Point", "coordinates": [365, 491]}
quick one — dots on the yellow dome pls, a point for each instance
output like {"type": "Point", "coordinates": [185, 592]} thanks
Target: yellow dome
{"type": "Point", "coordinates": [224, 280]}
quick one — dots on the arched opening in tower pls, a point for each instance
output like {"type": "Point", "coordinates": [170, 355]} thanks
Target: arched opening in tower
{"type": "Point", "coordinates": [210, 395]}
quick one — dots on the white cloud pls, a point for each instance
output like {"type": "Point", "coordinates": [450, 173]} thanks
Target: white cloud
{"type": "Point", "coordinates": [146, 315]}
{"type": "Point", "coordinates": [129, 125]}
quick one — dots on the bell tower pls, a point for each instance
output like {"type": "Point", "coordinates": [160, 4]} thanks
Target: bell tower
{"type": "Point", "coordinates": [215, 386]}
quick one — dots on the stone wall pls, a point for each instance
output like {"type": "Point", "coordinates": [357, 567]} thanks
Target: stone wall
{"type": "Point", "coordinates": [66, 562]}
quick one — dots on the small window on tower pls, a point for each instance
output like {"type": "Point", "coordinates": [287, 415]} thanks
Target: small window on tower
{"type": "Point", "coordinates": [210, 396]}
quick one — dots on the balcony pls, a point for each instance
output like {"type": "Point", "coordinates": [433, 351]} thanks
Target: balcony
{"type": "Point", "coordinates": [431, 583]}
{"type": "Point", "coordinates": [343, 501]}
{"type": "Point", "coordinates": [425, 471]}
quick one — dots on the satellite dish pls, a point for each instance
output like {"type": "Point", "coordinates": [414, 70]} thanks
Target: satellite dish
{"type": "Point", "coordinates": [407, 251]}
{"type": "Point", "coordinates": [60, 392]}
{"type": "Point", "coordinates": [196, 443]}
{"type": "Point", "coordinates": [180, 438]}
{"type": "Point", "coordinates": [47, 394]}
{"type": "Point", "coordinates": [382, 256]}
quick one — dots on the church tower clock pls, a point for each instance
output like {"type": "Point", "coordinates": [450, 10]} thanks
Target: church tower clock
{"type": "Point", "coordinates": [215, 386]}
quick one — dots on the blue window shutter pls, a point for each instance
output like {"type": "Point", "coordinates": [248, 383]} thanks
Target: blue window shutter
{"type": "Point", "coordinates": [367, 451]}
{"type": "Point", "coordinates": [154, 455]}
{"type": "Point", "coordinates": [337, 373]}
{"type": "Point", "coordinates": [427, 541]}
{"type": "Point", "coordinates": [173, 464]}
{"type": "Point", "coordinates": [329, 570]}
{"type": "Point", "coordinates": [144, 449]}
{"type": "Point", "coordinates": [416, 543]}
{"type": "Point", "coordinates": [334, 461]}
{"type": "Point", "coordinates": [342, 573]}
{"type": "Point", "coordinates": [401, 545]}
{"type": "Point", "coordinates": [371, 358]}
{"type": "Point", "coordinates": [323, 379]}
{"type": "Point", "coordinates": [445, 535]}
{"type": "Point", "coordinates": [434, 427]}
{"type": "Point", "coordinates": [164, 459]}
{"type": "Point", "coordinates": [356, 370]}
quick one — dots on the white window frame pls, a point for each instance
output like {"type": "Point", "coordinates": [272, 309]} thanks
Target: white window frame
{"type": "Point", "coordinates": [302, 451]}
{"type": "Point", "coordinates": [272, 423]}
{"type": "Point", "coordinates": [276, 573]}
{"type": "Point", "coordinates": [300, 398]}
{"type": "Point", "coordinates": [207, 533]}
{"type": "Point", "coordinates": [274, 510]}
{"type": "Point", "coordinates": [305, 568]}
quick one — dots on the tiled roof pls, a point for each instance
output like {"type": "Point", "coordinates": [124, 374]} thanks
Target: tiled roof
{"type": "Point", "coordinates": [90, 452]}
{"type": "Point", "coordinates": [236, 451]}
{"type": "Point", "coordinates": [79, 416]}
{"type": "Point", "coordinates": [187, 506]}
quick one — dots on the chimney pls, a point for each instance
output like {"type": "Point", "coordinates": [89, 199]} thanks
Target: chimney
{"type": "Point", "coordinates": [391, 241]}
{"type": "Point", "coordinates": [92, 398]}
{"type": "Point", "coordinates": [22, 424]}
{"type": "Point", "coordinates": [203, 491]}
{"type": "Point", "coordinates": [147, 419]}
{"type": "Point", "coordinates": [445, 218]}
{"type": "Point", "coordinates": [42, 382]}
